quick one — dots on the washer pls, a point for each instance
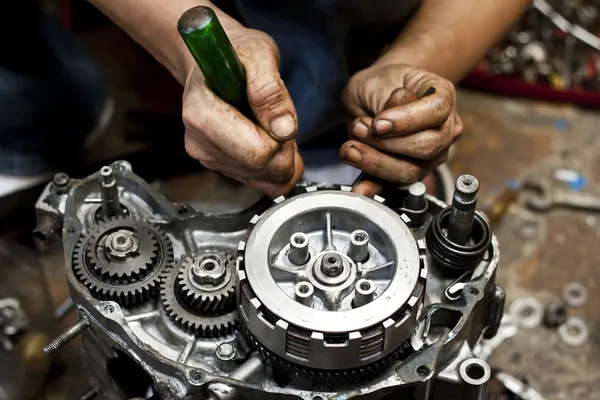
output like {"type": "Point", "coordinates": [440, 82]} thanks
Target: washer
{"type": "Point", "coordinates": [528, 312]}
{"type": "Point", "coordinates": [574, 332]}
{"type": "Point", "coordinates": [575, 294]}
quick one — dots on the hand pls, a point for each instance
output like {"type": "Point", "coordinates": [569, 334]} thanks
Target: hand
{"type": "Point", "coordinates": [262, 155]}
{"type": "Point", "coordinates": [399, 135]}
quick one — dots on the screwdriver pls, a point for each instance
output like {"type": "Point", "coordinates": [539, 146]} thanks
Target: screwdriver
{"type": "Point", "coordinates": [208, 43]}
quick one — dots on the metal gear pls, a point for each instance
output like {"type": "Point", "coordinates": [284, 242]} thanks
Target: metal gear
{"type": "Point", "coordinates": [127, 276]}
{"type": "Point", "coordinates": [209, 297]}
{"type": "Point", "coordinates": [188, 309]}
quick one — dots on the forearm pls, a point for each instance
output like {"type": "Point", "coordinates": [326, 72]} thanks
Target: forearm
{"type": "Point", "coordinates": [153, 24]}
{"type": "Point", "coordinates": [448, 37]}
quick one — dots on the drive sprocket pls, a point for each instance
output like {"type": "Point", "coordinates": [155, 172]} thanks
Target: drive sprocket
{"type": "Point", "coordinates": [122, 260]}
{"type": "Point", "coordinates": [207, 307]}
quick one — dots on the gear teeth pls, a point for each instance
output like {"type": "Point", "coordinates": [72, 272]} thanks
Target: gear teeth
{"type": "Point", "coordinates": [195, 312]}
{"type": "Point", "coordinates": [130, 287]}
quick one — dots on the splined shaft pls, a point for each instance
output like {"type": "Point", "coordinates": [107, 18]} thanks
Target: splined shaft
{"type": "Point", "coordinates": [462, 214]}
{"type": "Point", "coordinates": [111, 207]}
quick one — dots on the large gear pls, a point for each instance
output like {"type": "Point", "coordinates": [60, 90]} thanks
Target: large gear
{"type": "Point", "coordinates": [200, 308]}
{"type": "Point", "coordinates": [122, 260]}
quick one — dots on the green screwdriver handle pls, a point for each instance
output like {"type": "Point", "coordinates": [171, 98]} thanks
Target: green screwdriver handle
{"type": "Point", "coordinates": [204, 36]}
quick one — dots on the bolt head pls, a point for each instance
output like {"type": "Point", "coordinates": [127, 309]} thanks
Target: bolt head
{"type": "Point", "coordinates": [208, 269]}
{"type": "Point", "coordinates": [226, 351]}
{"type": "Point", "coordinates": [61, 179]}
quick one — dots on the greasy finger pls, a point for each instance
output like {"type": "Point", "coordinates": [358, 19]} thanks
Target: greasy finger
{"type": "Point", "coordinates": [267, 95]}
{"type": "Point", "coordinates": [361, 127]}
{"type": "Point", "coordinates": [424, 113]}
{"type": "Point", "coordinates": [367, 188]}
{"type": "Point", "coordinates": [227, 129]}
{"type": "Point", "coordinates": [400, 97]}
{"type": "Point", "coordinates": [423, 145]}
{"type": "Point", "coordinates": [392, 169]}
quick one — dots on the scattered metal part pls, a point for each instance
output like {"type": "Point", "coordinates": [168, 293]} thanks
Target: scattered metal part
{"type": "Point", "coordinates": [574, 332]}
{"type": "Point", "coordinates": [575, 294]}
{"type": "Point", "coordinates": [415, 204]}
{"type": "Point", "coordinates": [517, 387]}
{"type": "Point", "coordinates": [527, 312]}
{"type": "Point", "coordinates": [547, 192]}
{"type": "Point", "coordinates": [45, 231]}
{"type": "Point", "coordinates": [64, 308]}
{"type": "Point", "coordinates": [553, 46]}
{"type": "Point", "coordinates": [499, 206]}
{"type": "Point", "coordinates": [68, 335]}
{"type": "Point", "coordinates": [555, 314]}
{"type": "Point", "coordinates": [13, 322]}
{"type": "Point", "coordinates": [508, 328]}
{"type": "Point", "coordinates": [355, 311]}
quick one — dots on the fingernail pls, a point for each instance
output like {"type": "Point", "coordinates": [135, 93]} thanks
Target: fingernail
{"type": "Point", "coordinates": [383, 126]}
{"type": "Point", "coordinates": [283, 127]}
{"type": "Point", "coordinates": [353, 156]}
{"type": "Point", "coordinates": [360, 130]}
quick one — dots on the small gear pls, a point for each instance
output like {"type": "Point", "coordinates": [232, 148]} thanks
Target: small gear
{"type": "Point", "coordinates": [215, 289]}
{"type": "Point", "coordinates": [122, 260]}
{"type": "Point", "coordinates": [202, 312]}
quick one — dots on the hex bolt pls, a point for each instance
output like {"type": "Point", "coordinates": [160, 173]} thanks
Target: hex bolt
{"type": "Point", "coordinates": [299, 249]}
{"type": "Point", "coordinates": [416, 196]}
{"type": "Point", "coordinates": [109, 191]}
{"type": "Point", "coordinates": [225, 352]}
{"type": "Point", "coordinates": [303, 293]}
{"type": "Point", "coordinates": [61, 181]}
{"type": "Point", "coordinates": [66, 336]}
{"type": "Point", "coordinates": [359, 246]}
{"type": "Point", "coordinates": [364, 292]}
{"type": "Point", "coordinates": [462, 213]}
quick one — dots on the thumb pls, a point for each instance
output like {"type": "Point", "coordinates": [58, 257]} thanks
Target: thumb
{"type": "Point", "coordinates": [267, 95]}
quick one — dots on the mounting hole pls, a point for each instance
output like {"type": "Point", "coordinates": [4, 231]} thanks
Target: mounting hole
{"type": "Point", "coordinates": [317, 398]}
{"type": "Point", "coordinates": [183, 209]}
{"type": "Point", "coordinates": [121, 240]}
{"type": "Point", "coordinates": [105, 170]}
{"type": "Point", "coordinates": [365, 286]}
{"type": "Point", "coordinates": [71, 230]}
{"type": "Point", "coordinates": [468, 182]}
{"type": "Point", "coordinates": [474, 291]}
{"type": "Point", "coordinates": [303, 289]}
{"type": "Point", "coordinates": [475, 371]}
{"type": "Point", "coordinates": [360, 237]}
{"type": "Point", "coordinates": [196, 375]}
{"type": "Point", "coordinates": [331, 260]}
{"type": "Point", "coordinates": [109, 309]}
{"type": "Point", "coordinates": [423, 370]}
{"type": "Point", "coordinates": [299, 239]}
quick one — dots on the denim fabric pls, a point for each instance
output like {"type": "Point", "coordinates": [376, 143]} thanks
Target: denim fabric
{"type": "Point", "coordinates": [51, 92]}
{"type": "Point", "coordinates": [321, 43]}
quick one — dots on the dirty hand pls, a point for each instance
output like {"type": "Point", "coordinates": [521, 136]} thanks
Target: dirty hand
{"type": "Point", "coordinates": [262, 155]}
{"type": "Point", "coordinates": [397, 134]}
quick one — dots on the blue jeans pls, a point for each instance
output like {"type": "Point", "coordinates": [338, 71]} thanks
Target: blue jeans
{"type": "Point", "coordinates": [50, 91]}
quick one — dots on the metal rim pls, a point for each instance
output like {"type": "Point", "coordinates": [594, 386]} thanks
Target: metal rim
{"type": "Point", "coordinates": [256, 263]}
{"type": "Point", "coordinates": [481, 376]}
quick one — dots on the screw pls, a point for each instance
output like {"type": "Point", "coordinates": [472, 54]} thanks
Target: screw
{"type": "Point", "coordinates": [67, 336]}
{"type": "Point", "coordinates": [61, 179]}
{"type": "Point", "coordinates": [462, 213]}
{"type": "Point", "coordinates": [226, 352]}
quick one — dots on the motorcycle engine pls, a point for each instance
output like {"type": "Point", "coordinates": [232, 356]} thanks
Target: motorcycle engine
{"type": "Point", "coordinates": [324, 294]}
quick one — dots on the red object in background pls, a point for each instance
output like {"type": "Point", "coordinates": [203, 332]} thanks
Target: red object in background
{"type": "Point", "coordinates": [515, 87]}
